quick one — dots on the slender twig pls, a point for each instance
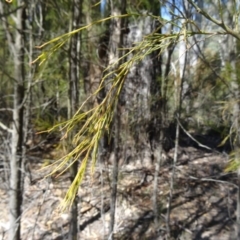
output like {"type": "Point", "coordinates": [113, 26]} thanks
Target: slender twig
{"type": "Point", "coordinates": [221, 24]}
{"type": "Point", "coordinates": [189, 135]}
{"type": "Point", "coordinates": [4, 127]}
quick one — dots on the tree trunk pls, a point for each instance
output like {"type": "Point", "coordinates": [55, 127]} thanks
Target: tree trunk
{"type": "Point", "coordinates": [16, 45]}
{"type": "Point", "coordinates": [74, 72]}
{"type": "Point", "coordinates": [116, 42]}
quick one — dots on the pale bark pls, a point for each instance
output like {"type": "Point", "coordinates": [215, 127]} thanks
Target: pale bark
{"type": "Point", "coordinates": [16, 46]}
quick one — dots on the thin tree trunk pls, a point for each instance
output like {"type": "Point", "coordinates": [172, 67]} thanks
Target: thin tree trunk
{"type": "Point", "coordinates": [178, 100]}
{"type": "Point", "coordinates": [158, 159]}
{"type": "Point", "coordinates": [116, 42]}
{"type": "Point", "coordinates": [114, 174]}
{"type": "Point", "coordinates": [159, 152]}
{"type": "Point", "coordinates": [74, 63]}
{"type": "Point", "coordinates": [16, 46]}
{"type": "Point", "coordinates": [28, 95]}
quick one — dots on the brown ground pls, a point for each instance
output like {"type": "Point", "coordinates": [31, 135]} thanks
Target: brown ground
{"type": "Point", "coordinates": [203, 207]}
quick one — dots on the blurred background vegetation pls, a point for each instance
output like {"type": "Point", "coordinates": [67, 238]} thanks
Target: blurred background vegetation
{"type": "Point", "coordinates": [170, 62]}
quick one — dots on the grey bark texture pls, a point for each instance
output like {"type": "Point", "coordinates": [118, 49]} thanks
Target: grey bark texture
{"type": "Point", "coordinates": [116, 42]}
{"type": "Point", "coordinates": [74, 78]}
{"type": "Point", "coordinates": [16, 42]}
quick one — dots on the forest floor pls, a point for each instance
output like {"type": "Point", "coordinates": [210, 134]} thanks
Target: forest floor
{"type": "Point", "coordinates": [203, 206]}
